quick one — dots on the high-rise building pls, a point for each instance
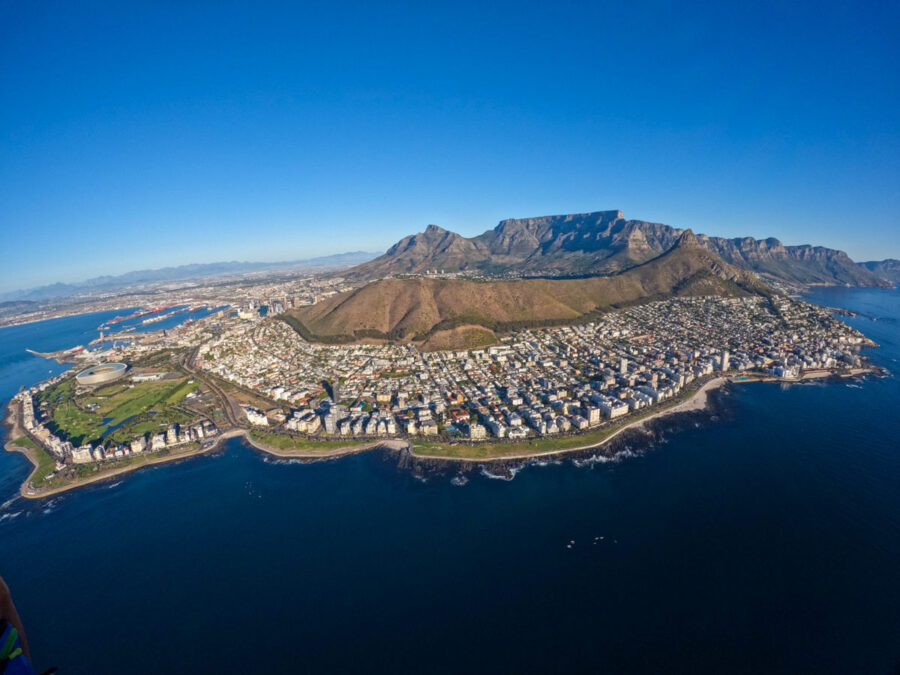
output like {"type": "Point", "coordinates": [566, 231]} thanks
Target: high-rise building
{"type": "Point", "coordinates": [725, 357]}
{"type": "Point", "coordinates": [623, 366]}
{"type": "Point", "coordinates": [335, 390]}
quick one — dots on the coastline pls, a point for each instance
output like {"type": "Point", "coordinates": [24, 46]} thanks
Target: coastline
{"type": "Point", "coordinates": [698, 402]}
{"type": "Point", "coordinates": [27, 493]}
{"type": "Point", "coordinates": [818, 374]}
{"type": "Point", "coordinates": [394, 444]}
{"type": "Point", "coordinates": [244, 434]}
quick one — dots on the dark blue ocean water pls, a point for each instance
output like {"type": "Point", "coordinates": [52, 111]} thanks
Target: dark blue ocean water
{"type": "Point", "coordinates": [767, 542]}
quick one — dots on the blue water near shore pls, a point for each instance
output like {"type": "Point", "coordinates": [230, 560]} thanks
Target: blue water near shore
{"type": "Point", "coordinates": [768, 541]}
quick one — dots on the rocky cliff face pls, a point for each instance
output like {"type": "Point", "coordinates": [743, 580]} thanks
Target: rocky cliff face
{"type": "Point", "coordinates": [889, 269]}
{"type": "Point", "coordinates": [797, 264]}
{"type": "Point", "coordinates": [435, 248]}
{"type": "Point", "coordinates": [604, 242]}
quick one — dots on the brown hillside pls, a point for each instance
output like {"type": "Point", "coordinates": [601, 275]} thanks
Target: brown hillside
{"type": "Point", "coordinates": [414, 309]}
{"type": "Point", "coordinates": [463, 337]}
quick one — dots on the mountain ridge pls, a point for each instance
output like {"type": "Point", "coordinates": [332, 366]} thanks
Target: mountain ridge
{"type": "Point", "coordinates": [887, 269]}
{"type": "Point", "coordinates": [427, 310]}
{"type": "Point", "coordinates": [601, 242]}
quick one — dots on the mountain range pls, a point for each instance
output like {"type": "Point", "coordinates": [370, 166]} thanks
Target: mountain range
{"type": "Point", "coordinates": [179, 273]}
{"type": "Point", "coordinates": [602, 243]}
{"type": "Point", "coordinates": [455, 313]}
{"type": "Point", "coordinates": [889, 269]}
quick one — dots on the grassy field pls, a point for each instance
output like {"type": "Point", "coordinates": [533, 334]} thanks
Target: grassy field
{"type": "Point", "coordinates": [25, 442]}
{"type": "Point", "coordinates": [282, 442]}
{"type": "Point", "coordinates": [142, 408]}
{"type": "Point", "coordinates": [81, 472]}
{"type": "Point", "coordinates": [181, 392]}
{"type": "Point", "coordinates": [46, 464]}
{"type": "Point", "coordinates": [111, 389]}
{"type": "Point", "coordinates": [500, 450]}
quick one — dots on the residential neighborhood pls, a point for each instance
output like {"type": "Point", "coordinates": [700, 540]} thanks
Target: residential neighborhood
{"type": "Point", "coordinates": [534, 383]}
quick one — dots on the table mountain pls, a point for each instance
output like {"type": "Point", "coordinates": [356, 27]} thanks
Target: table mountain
{"type": "Point", "coordinates": [446, 313]}
{"type": "Point", "coordinates": [603, 242]}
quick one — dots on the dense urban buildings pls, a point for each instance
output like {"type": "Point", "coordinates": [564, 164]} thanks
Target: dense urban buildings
{"type": "Point", "coordinates": [241, 366]}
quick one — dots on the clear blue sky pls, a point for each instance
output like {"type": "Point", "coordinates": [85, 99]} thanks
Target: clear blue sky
{"type": "Point", "coordinates": [146, 134]}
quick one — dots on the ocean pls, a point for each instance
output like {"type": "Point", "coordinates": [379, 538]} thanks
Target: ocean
{"type": "Point", "coordinates": [766, 540]}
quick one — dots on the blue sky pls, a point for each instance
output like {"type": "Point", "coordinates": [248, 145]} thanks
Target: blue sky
{"type": "Point", "coordinates": [140, 135]}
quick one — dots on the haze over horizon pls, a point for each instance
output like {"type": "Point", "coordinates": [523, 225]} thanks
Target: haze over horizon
{"type": "Point", "coordinates": [160, 136]}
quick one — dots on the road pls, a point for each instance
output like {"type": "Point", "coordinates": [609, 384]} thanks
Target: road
{"type": "Point", "coordinates": [232, 410]}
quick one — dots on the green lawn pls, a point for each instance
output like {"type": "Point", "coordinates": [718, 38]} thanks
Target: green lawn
{"type": "Point", "coordinates": [46, 463]}
{"type": "Point", "coordinates": [26, 442]}
{"type": "Point", "coordinates": [134, 400]}
{"type": "Point", "coordinates": [145, 407]}
{"type": "Point", "coordinates": [46, 466]}
{"type": "Point", "coordinates": [499, 450]}
{"type": "Point", "coordinates": [111, 389]}
{"type": "Point", "coordinates": [177, 396]}
{"type": "Point", "coordinates": [282, 442]}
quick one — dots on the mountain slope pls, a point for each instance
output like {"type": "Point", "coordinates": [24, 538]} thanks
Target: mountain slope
{"type": "Point", "coordinates": [418, 308]}
{"type": "Point", "coordinates": [434, 248]}
{"type": "Point", "coordinates": [889, 269]}
{"type": "Point", "coordinates": [603, 242]}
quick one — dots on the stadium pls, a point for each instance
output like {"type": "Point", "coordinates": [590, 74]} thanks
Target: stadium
{"type": "Point", "coordinates": [105, 372]}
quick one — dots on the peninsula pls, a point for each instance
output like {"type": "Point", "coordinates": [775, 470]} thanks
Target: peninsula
{"type": "Point", "coordinates": [532, 392]}
{"type": "Point", "coordinates": [541, 337]}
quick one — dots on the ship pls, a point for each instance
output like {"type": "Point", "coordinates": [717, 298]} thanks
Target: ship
{"type": "Point", "coordinates": [134, 315]}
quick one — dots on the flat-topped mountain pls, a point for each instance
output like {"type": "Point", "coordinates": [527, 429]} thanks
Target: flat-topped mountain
{"type": "Point", "coordinates": [889, 269]}
{"type": "Point", "coordinates": [603, 242]}
{"type": "Point", "coordinates": [447, 314]}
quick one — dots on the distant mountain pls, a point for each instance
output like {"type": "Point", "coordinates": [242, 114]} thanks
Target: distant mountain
{"type": "Point", "coordinates": [889, 269]}
{"type": "Point", "coordinates": [447, 314]}
{"type": "Point", "coordinates": [603, 242]}
{"type": "Point", "coordinates": [180, 273]}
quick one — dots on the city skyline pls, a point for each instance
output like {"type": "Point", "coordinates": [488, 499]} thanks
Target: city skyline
{"type": "Point", "coordinates": [157, 137]}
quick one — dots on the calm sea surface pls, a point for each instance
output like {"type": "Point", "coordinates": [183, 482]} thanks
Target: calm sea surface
{"type": "Point", "coordinates": [766, 543]}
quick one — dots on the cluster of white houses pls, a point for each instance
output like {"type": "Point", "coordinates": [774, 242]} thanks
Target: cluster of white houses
{"type": "Point", "coordinates": [174, 436]}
